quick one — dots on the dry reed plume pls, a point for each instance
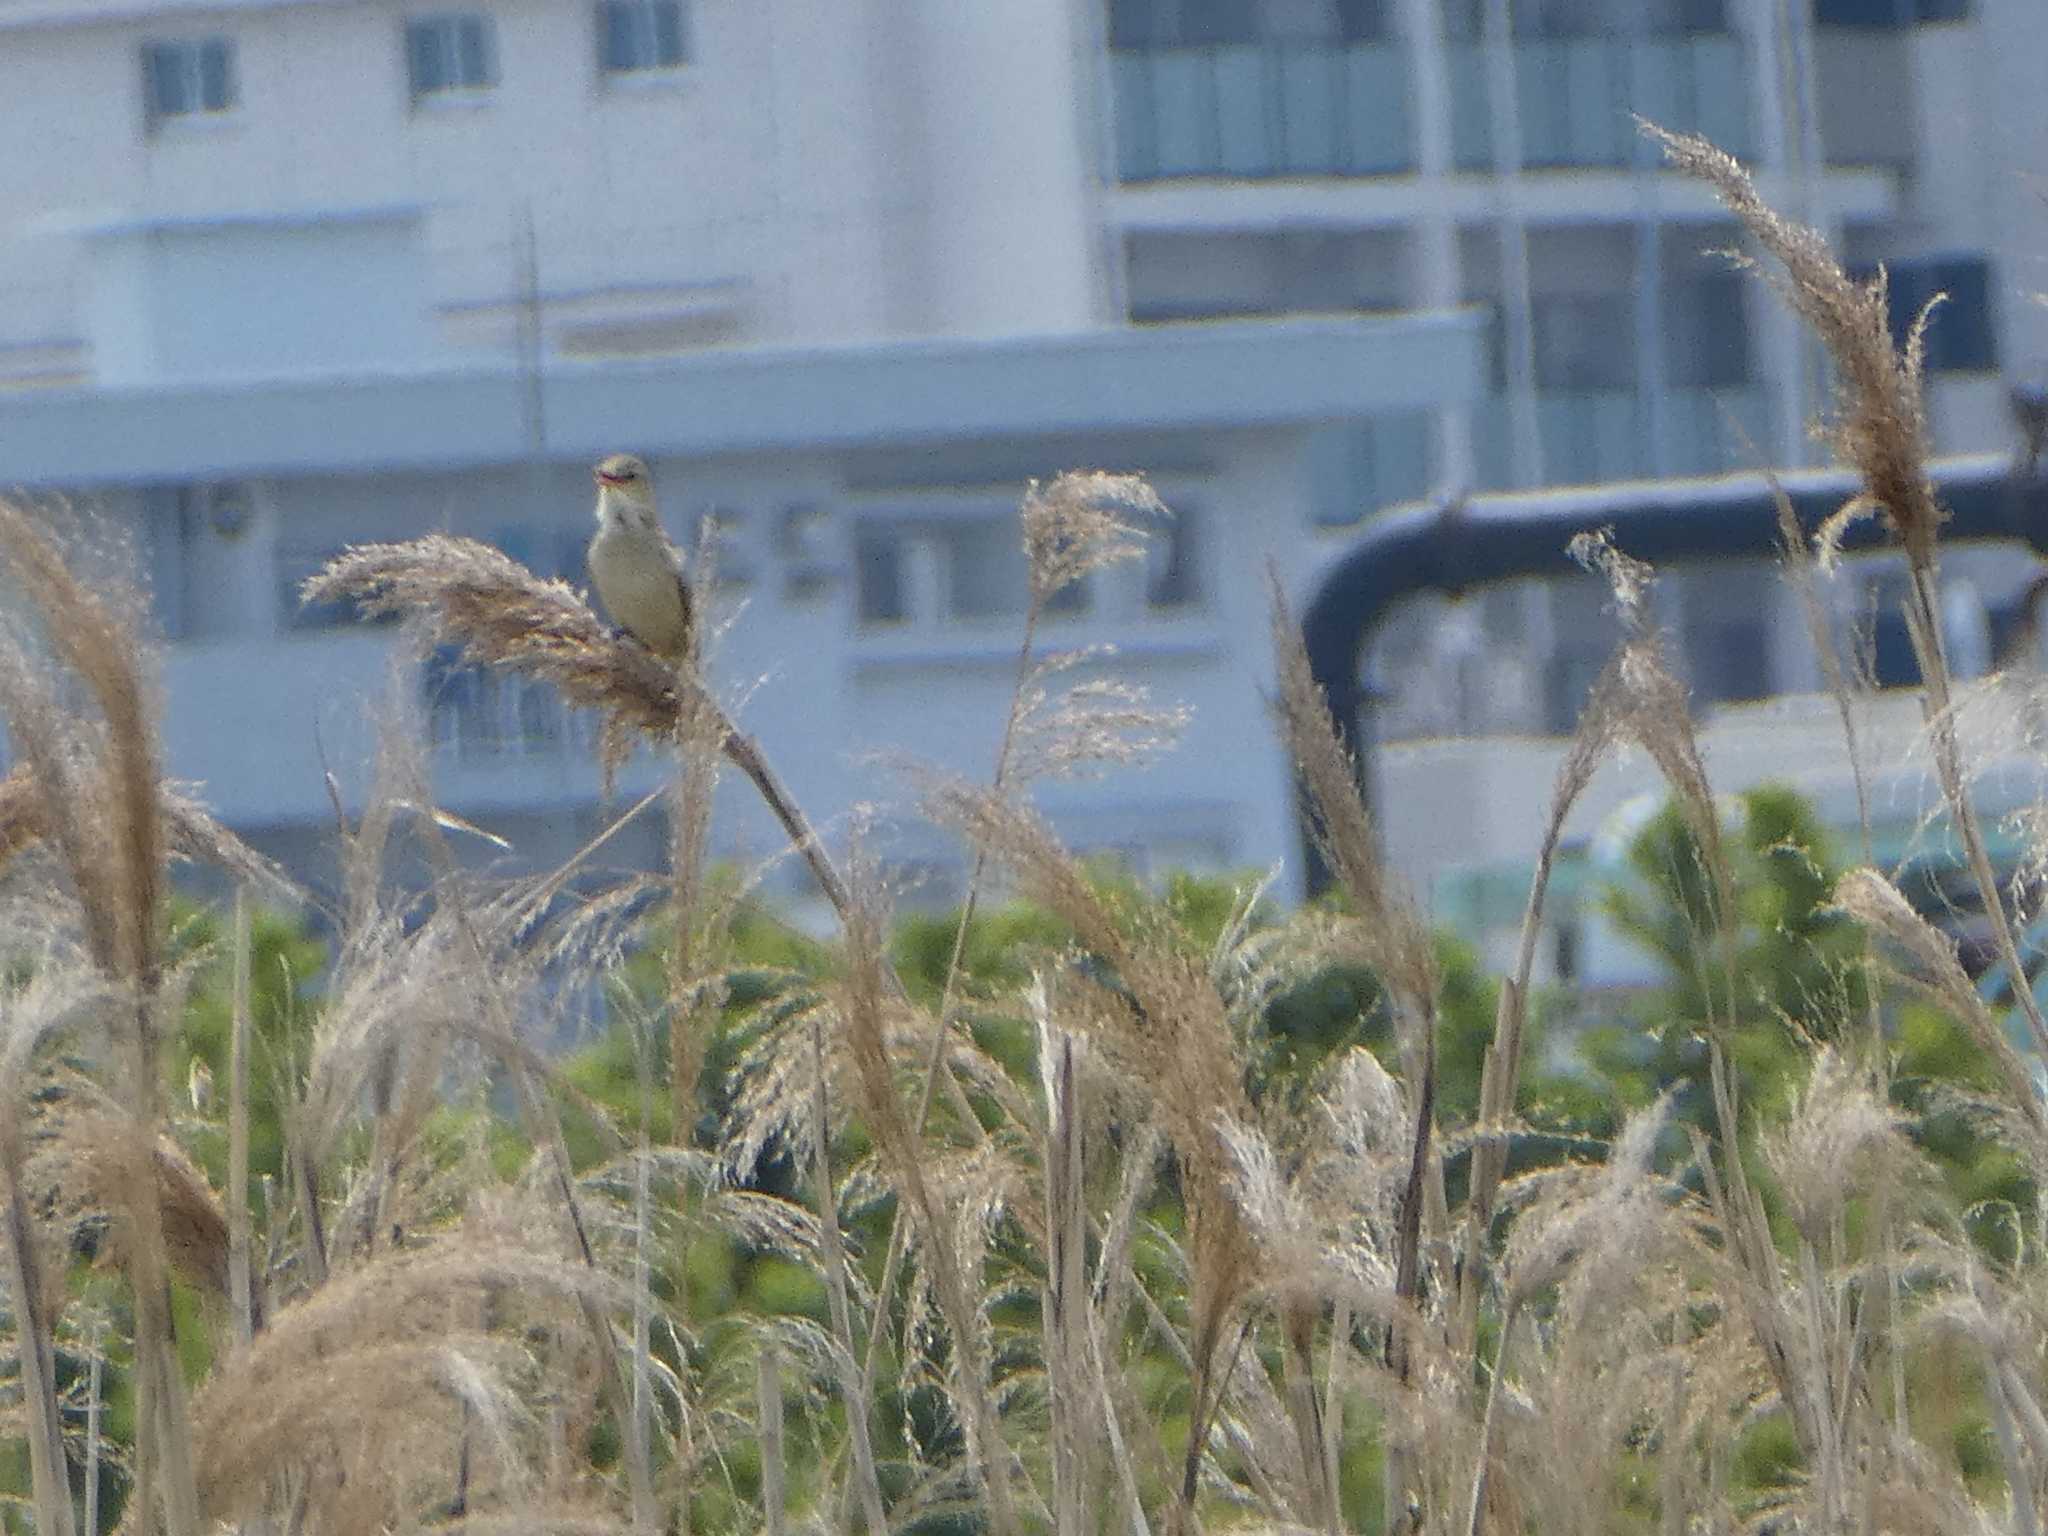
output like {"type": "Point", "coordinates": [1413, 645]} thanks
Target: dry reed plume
{"type": "Point", "coordinates": [499, 614]}
{"type": "Point", "coordinates": [1140, 1274]}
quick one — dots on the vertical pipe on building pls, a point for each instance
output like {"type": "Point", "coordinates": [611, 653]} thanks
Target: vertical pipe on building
{"type": "Point", "coordinates": [1505, 112]}
{"type": "Point", "coordinates": [1778, 332]}
{"type": "Point", "coordinates": [1652, 384]}
{"type": "Point", "coordinates": [1789, 148]}
{"type": "Point", "coordinates": [1434, 252]}
{"type": "Point", "coordinates": [1011, 228]}
{"type": "Point", "coordinates": [1532, 607]}
{"type": "Point", "coordinates": [1098, 107]}
{"type": "Point", "coordinates": [1813, 364]}
{"type": "Point", "coordinates": [531, 341]}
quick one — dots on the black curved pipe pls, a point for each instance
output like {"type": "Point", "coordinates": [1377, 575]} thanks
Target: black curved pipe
{"type": "Point", "coordinates": [1449, 549]}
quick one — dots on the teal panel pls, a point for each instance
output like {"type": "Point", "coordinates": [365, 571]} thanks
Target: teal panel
{"type": "Point", "coordinates": [1244, 112]}
{"type": "Point", "coordinates": [1378, 114]}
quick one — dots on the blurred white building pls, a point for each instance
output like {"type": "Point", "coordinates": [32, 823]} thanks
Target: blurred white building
{"type": "Point", "coordinates": [280, 275]}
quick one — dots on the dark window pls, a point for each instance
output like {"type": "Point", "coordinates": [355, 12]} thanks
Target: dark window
{"type": "Point", "coordinates": [1132, 24]}
{"type": "Point", "coordinates": [1960, 338]}
{"type": "Point", "coordinates": [172, 528]}
{"type": "Point", "coordinates": [1173, 577]}
{"type": "Point", "coordinates": [1222, 23]}
{"type": "Point", "coordinates": [189, 76]}
{"type": "Point", "coordinates": [1699, 16]}
{"type": "Point", "coordinates": [1493, 343]}
{"type": "Point", "coordinates": [1561, 18]}
{"type": "Point", "coordinates": [1887, 13]}
{"type": "Point", "coordinates": [1729, 659]}
{"type": "Point", "coordinates": [1218, 21]}
{"type": "Point", "coordinates": [985, 575]}
{"type": "Point", "coordinates": [1363, 21]}
{"type": "Point", "coordinates": [1706, 337]}
{"type": "Point", "coordinates": [453, 51]}
{"type": "Point", "coordinates": [1885, 640]}
{"type": "Point", "coordinates": [637, 35]}
{"type": "Point", "coordinates": [1182, 23]}
{"type": "Point", "coordinates": [1600, 18]}
{"type": "Point", "coordinates": [880, 579]}
{"type": "Point", "coordinates": [1584, 341]}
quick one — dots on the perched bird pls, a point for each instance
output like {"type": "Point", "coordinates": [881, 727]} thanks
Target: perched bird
{"type": "Point", "coordinates": [199, 1084]}
{"type": "Point", "coordinates": [638, 574]}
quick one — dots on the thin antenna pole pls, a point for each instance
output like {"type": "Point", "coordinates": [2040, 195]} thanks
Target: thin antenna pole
{"type": "Point", "coordinates": [533, 400]}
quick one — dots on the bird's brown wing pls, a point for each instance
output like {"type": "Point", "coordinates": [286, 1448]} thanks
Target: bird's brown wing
{"type": "Point", "coordinates": [675, 560]}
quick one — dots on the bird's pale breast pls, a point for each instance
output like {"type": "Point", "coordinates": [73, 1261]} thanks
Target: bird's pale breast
{"type": "Point", "coordinates": [638, 582]}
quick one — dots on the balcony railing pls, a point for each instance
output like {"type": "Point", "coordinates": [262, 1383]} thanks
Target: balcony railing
{"type": "Point", "coordinates": [479, 716]}
{"type": "Point", "coordinates": [1267, 110]}
{"type": "Point", "coordinates": [1261, 110]}
{"type": "Point", "coordinates": [1593, 436]}
{"type": "Point", "coordinates": [1579, 98]}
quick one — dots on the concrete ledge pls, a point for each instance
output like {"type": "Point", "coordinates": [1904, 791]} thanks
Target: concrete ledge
{"type": "Point", "coordinates": [1217, 375]}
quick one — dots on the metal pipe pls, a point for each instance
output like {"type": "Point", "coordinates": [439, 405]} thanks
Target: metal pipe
{"type": "Point", "coordinates": [1448, 549]}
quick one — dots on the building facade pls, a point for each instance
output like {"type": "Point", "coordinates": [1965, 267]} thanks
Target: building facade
{"type": "Point", "coordinates": [281, 275]}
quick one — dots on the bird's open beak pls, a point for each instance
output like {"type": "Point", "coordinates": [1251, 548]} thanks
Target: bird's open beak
{"type": "Point", "coordinates": [602, 478]}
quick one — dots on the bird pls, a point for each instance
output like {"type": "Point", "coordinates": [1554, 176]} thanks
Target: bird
{"type": "Point", "coordinates": [637, 572]}
{"type": "Point", "coordinates": [199, 1085]}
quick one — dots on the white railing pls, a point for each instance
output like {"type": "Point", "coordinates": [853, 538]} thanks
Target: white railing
{"type": "Point", "coordinates": [1262, 110]}
{"type": "Point", "coordinates": [1593, 436]}
{"type": "Point", "coordinates": [1579, 98]}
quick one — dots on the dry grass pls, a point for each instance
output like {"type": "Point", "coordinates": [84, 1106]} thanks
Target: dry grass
{"type": "Point", "coordinates": [1879, 422]}
{"type": "Point", "coordinates": [97, 784]}
{"type": "Point", "coordinates": [1138, 1288]}
{"type": "Point", "coordinates": [497, 613]}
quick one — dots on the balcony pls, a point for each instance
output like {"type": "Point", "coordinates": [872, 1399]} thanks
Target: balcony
{"type": "Point", "coordinates": [1260, 111]}
{"type": "Point", "coordinates": [1579, 98]}
{"type": "Point", "coordinates": [1593, 436]}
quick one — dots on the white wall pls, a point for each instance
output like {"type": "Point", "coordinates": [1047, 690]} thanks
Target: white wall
{"type": "Point", "coordinates": [782, 162]}
{"type": "Point", "coordinates": [257, 300]}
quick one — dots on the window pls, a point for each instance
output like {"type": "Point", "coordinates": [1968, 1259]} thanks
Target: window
{"type": "Point", "coordinates": [188, 77]}
{"type": "Point", "coordinates": [451, 51]}
{"type": "Point", "coordinates": [1584, 342]}
{"type": "Point", "coordinates": [1887, 13]}
{"type": "Point", "coordinates": [479, 714]}
{"type": "Point", "coordinates": [882, 584]}
{"type": "Point", "coordinates": [1706, 337]}
{"type": "Point", "coordinates": [1606, 18]}
{"type": "Point", "coordinates": [1222, 23]}
{"type": "Point", "coordinates": [171, 529]}
{"type": "Point", "coordinates": [1173, 575]}
{"type": "Point", "coordinates": [1465, 20]}
{"type": "Point", "coordinates": [187, 538]}
{"type": "Point", "coordinates": [985, 576]}
{"type": "Point", "coordinates": [1960, 338]}
{"type": "Point", "coordinates": [635, 35]}
{"type": "Point", "coordinates": [801, 549]}
{"type": "Point", "coordinates": [1182, 23]}
{"type": "Point", "coordinates": [948, 569]}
